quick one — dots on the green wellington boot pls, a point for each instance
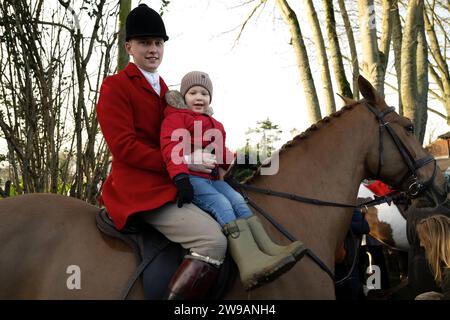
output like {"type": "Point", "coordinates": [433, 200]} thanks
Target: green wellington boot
{"type": "Point", "coordinates": [255, 267]}
{"type": "Point", "coordinates": [296, 248]}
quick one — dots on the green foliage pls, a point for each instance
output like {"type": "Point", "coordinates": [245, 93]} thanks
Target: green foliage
{"type": "Point", "coordinates": [265, 135]}
{"type": "Point", "coordinates": [63, 188]}
{"type": "Point", "coordinates": [12, 190]}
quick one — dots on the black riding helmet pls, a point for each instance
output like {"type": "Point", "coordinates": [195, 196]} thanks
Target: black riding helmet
{"type": "Point", "coordinates": [143, 21]}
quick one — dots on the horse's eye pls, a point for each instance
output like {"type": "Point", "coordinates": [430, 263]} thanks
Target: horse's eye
{"type": "Point", "coordinates": [410, 128]}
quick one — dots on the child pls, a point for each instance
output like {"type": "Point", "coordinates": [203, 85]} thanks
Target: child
{"type": "Point", "coordinates": [434, 236]}
{"type": "Point", "coordinates": [259, 260]}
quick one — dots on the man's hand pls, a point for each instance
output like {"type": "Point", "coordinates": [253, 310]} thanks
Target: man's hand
{"type": "Point", "coordinates": [185, 189]}
{"type": "Point", "coordinates": [201, 161]}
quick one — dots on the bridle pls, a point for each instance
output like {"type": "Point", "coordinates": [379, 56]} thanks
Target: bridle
{"type": "Point", "coordinates": [415, 188]}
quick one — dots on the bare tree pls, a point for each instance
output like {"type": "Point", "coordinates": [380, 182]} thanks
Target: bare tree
{"type": "Point", "coordinates": [439, 69]}
{"type": "Point", "coordinates": [352, 46]}
{"type": "Point", "coordinates": [50, 74]}
{"type": "Point", "coordinates": [409, 85]}
{"type": "Point", "coordinates": [327, 85]}
{"type": "Point", "coordinates": [302, 60]}
{"type": "Point", "coordinates": [123, 57]}
{"type": "Point", "coordinates": [421, 112]}
{"type": "Point", "coordinates": [375, 59]}
{"type": "Point", "coordinates": [397, 48]}
{"type": "Point", "coordinates": [335, 51]}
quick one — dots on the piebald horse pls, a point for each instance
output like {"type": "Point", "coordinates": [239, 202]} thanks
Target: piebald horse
{"type": "Point", "coordinates": [386, 222]}
{"type": "Point", "coordinates": [46, 239]}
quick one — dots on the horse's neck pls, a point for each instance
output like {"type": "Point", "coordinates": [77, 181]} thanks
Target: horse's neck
{"type": "Point", "coordinates": [328, 164]}
{"type": "Point", "coordinates": [325, 165]}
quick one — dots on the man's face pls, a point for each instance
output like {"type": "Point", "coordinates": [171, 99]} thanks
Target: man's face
{"type": "Point", "coordinates": [147, 52]}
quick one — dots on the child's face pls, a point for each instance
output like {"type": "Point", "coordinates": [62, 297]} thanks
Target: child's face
{"type": "Point", "coordinates": [197, 98]}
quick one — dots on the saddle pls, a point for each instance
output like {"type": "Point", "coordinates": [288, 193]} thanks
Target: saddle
{"type": "Point", "coordinates": [158, 256]}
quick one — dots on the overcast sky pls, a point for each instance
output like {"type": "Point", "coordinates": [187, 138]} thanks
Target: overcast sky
{"type": "Point", "coordinates": [254, 80]}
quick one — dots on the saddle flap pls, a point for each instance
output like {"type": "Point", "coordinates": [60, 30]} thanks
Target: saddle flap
{"type": "Point", "coordinates": [159, 258]}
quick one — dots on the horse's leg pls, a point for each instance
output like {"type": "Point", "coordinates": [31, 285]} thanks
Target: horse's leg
{"type": "Point", "coordinates": [51, 249]}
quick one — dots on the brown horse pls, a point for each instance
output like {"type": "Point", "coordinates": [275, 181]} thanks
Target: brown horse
{"type": "Point", "coordinates": [42, 235]}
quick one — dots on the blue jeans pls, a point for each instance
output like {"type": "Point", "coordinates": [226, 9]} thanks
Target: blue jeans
{"type": "Point", "coordinates": [219, 199]}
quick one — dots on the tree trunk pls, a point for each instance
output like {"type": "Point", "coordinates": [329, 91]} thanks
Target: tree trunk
{"type": "Point", "coordinates": [409, 89]}
{"type": "Point", "coordinates": [386, 35]}
{"type": "Point", "coordinates": [371, 64]}
{"type": "Point", "coordinates": [352, 46]}
{"type": "Point", "coordinates": [327, 86]}
{"type": "Point", "coordinates": [302, 61]}
{"type": "Point", "coordinates": [397, 46]}
{"type": "Point", "coordinates": [336, 56]}
{"type": "Point", "coordinates": [123, 57]}
{"type": "Point", "coordinates": [422, 83]}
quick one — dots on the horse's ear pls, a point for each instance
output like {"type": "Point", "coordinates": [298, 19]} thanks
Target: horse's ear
{"type": "Point", "coordinates": [348, 101]}
{"type": "Point", "coordinates": [366, 89]}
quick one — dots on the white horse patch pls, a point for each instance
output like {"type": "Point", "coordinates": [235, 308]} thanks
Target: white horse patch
{"type": "Point", "coordinates": [390, 215]}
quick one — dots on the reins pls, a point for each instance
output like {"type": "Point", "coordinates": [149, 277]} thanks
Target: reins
{"type": "Point", "coordinates": [414, 189]}
{"type": "Point", "coordinates": [389, 198]}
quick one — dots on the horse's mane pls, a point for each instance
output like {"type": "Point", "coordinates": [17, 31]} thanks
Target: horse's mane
{"type": "Point", "coordinates": [305, 134]}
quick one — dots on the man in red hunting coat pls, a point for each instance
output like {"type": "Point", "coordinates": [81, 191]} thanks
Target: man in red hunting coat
{"type": "Point", "coordinates": [130, 111]}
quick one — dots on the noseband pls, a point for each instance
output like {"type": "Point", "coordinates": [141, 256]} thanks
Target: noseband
{"type": "Point", "coordinates": [416, 187]}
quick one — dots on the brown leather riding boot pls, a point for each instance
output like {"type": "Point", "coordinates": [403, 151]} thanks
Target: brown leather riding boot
{"type": "Point", "coordinates": [192, 280]}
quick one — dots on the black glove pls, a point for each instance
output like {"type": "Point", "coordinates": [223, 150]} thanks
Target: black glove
{"type": "Point", "coordinates": [185, 189]}
{"type": "Point", "coordinates": [215, 172]}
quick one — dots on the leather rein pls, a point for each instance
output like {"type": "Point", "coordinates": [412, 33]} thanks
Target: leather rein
{"type": "Point", "coordinates": [414, 189]}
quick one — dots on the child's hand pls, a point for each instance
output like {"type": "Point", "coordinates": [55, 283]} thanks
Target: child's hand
{"type": "Point", "coordinates": [201, 161]}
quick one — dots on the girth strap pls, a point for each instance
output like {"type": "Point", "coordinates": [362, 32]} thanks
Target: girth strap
{"type": "Point", "coordinates": [135, 276]}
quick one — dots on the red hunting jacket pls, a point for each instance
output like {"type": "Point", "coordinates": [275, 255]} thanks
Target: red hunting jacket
{"type": "Point", "coordinates": [130, 114]}
{"type": "Point", "coordinates": [186, 119]}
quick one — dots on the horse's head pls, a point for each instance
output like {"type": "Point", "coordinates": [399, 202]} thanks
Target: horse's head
{"type": "Point", "coordinates": [396, 155]}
